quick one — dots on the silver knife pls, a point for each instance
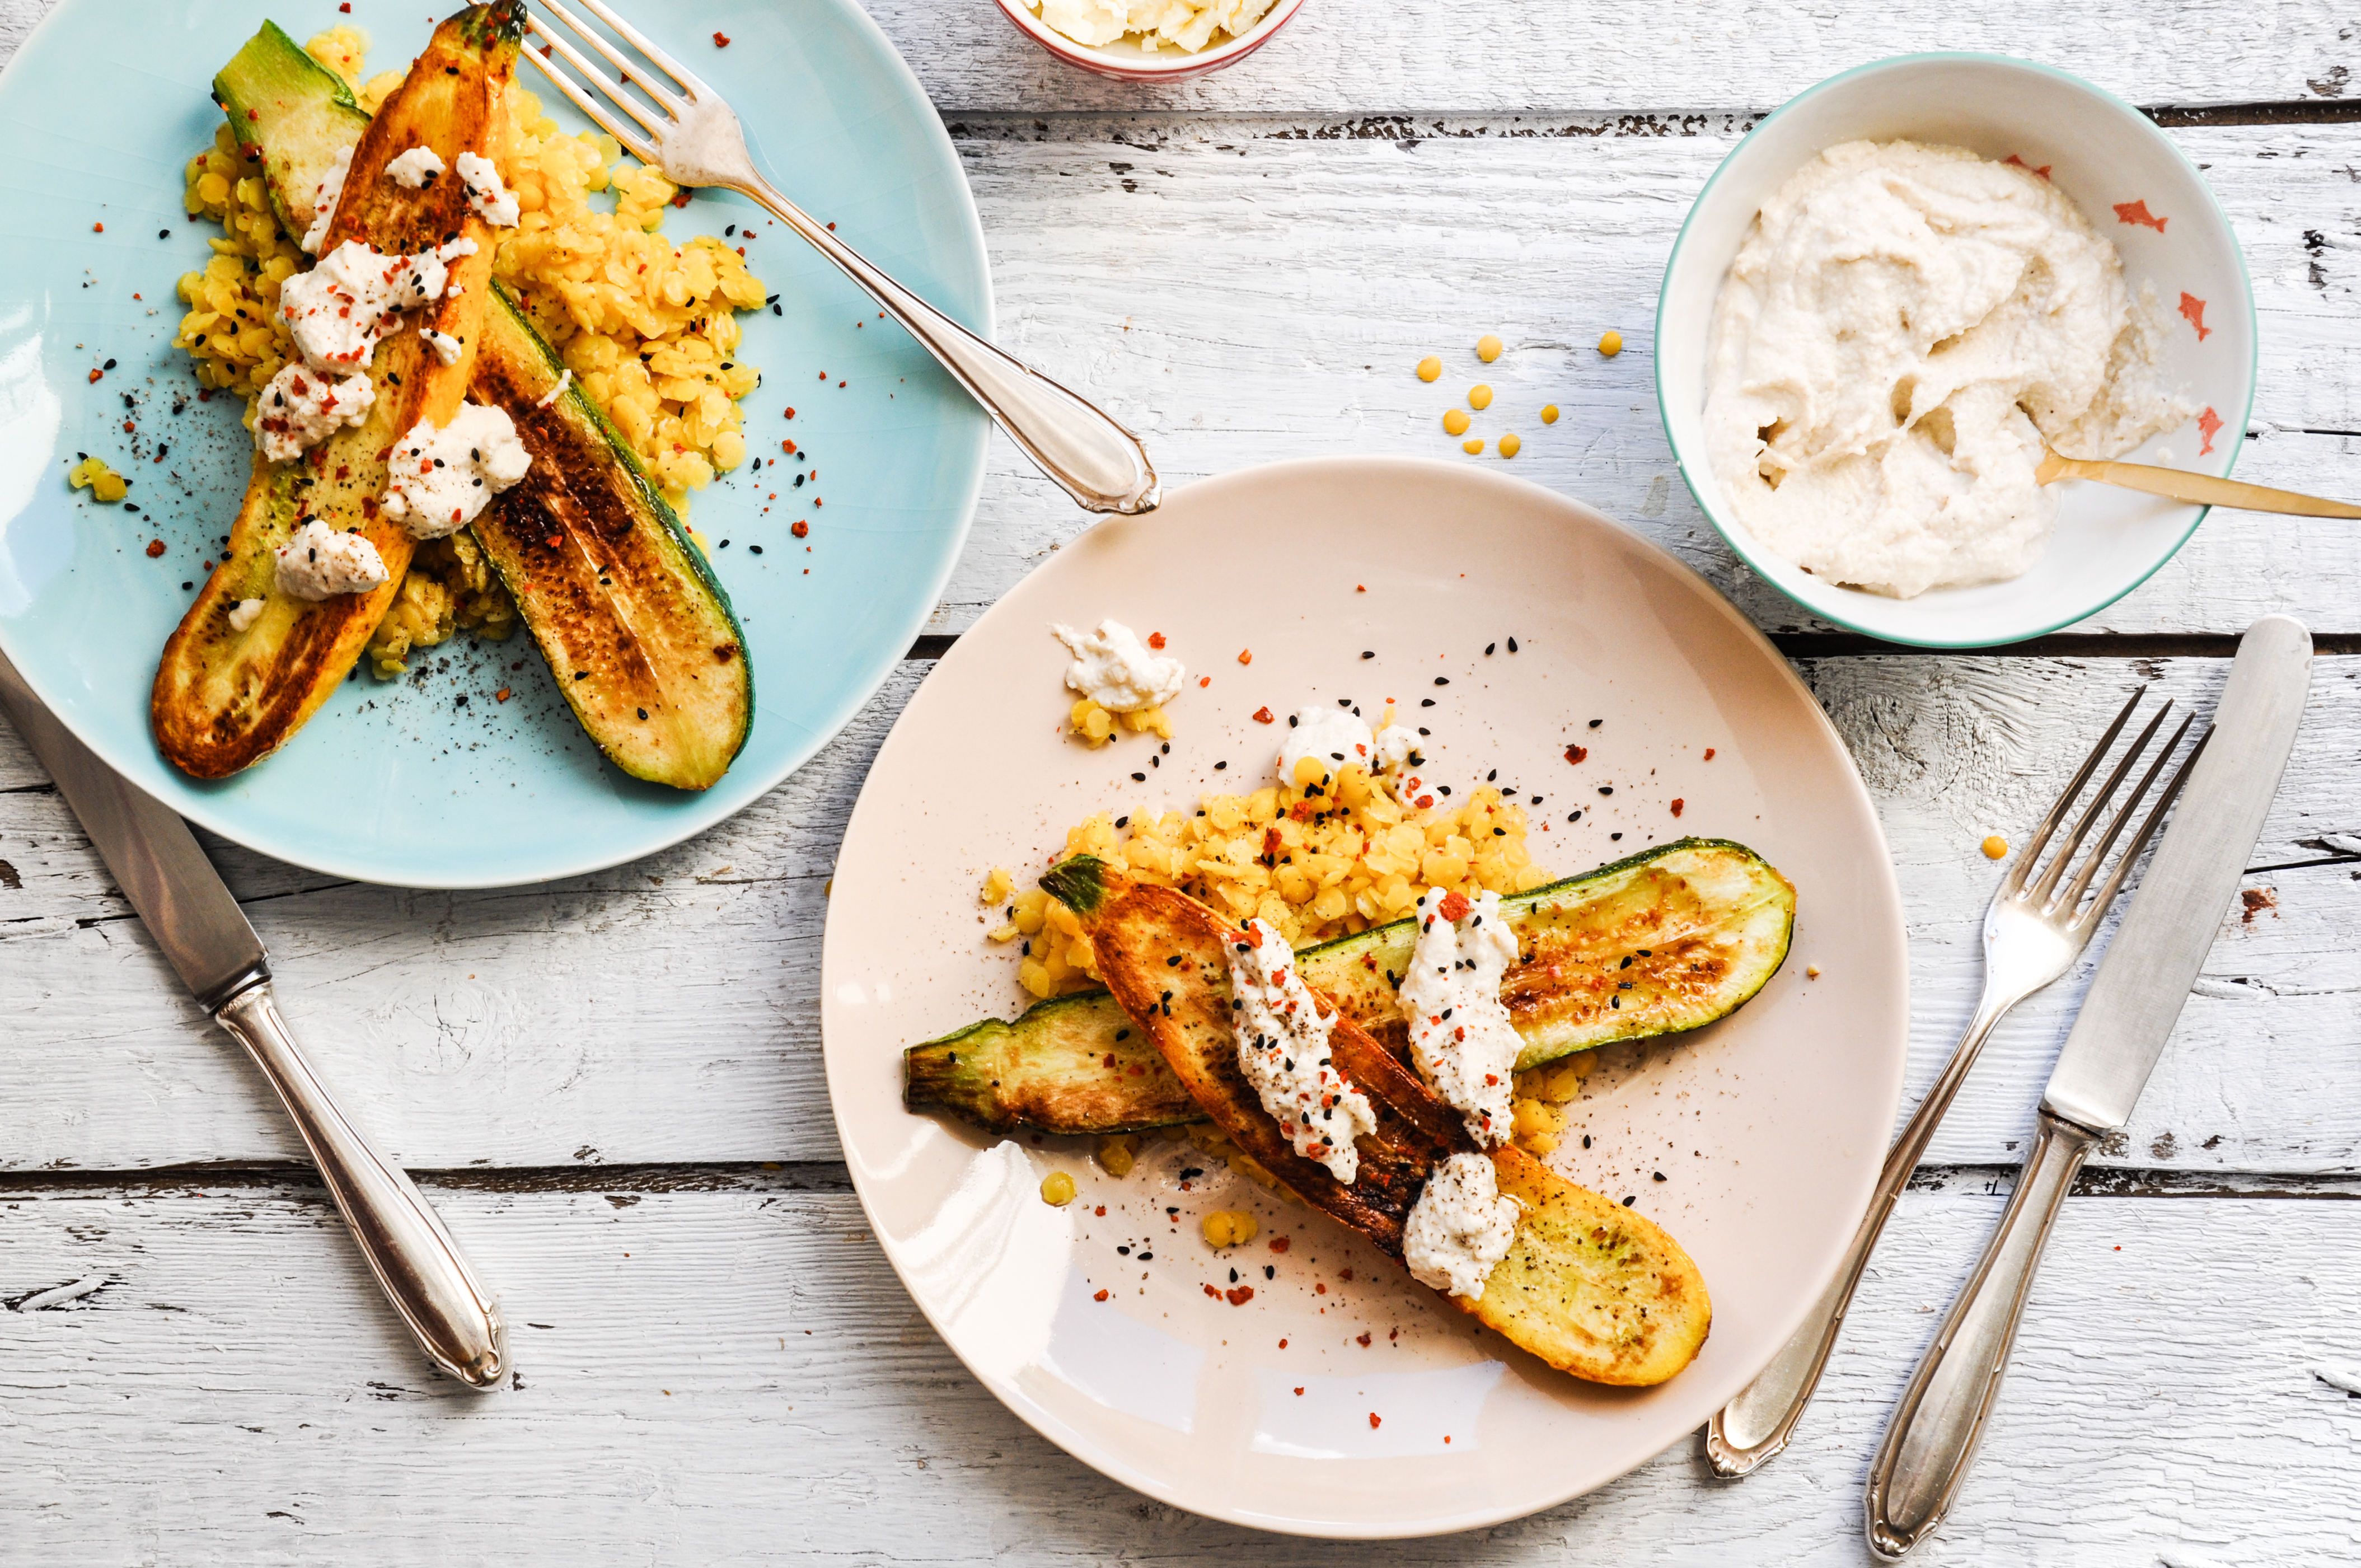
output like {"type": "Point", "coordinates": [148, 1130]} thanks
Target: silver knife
{"type": "Point", "coordinates": [2133, 1001]}
{"type": "Point", "coordinates": [203, 932]}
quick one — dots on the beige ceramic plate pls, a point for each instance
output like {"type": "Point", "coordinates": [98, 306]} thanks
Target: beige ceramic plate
{"type": "Point", "coordinates": [1768, 1127]}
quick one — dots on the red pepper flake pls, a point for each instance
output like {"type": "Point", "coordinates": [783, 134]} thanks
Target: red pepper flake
{"type": "Point", "coordinates": [831, 228]}
{"type": "Point", "coordinates": [1155, 640]}
{"type": "Point", "coordinates": [254, 114]}
{"type": "Point", "coordinates": [155, 548]}
{"type": "Point", "coordinates": [130, 428]}
{"type": "Point", "coordinates": [2209, 425]}
{"type": "Point", "coordinates": [1278, 1244]}
{"type": "Point", "coordinates": [1360, 587]}
{"type": "Point", "coordinates": [1678, 803]}
{"type": "Point", "coordinates": [101, 228]}
{"type": "Point", "coordinates": [1375, 1422]}
{"type": "Point", "coordinates": [347, 7]}
{"type": "Point", "coordinates": [1240, 1296]}
{"type": "Point", "coordinates": [1100, 1211]}
{"type": "Point", "coordinates": [1576, 754]}
{"type": "Point", "coordinates": [791, 413]}
{"type": "Point", "coordinates": [722, 41]}
{"type": "Point", "coordinates": [1263, 716]}
{"type": "Point", "coordinates": [800, 528]}
{"type": "Point", "coordinates": [1212, 1290]}
{"type": "Point", "coordinates": [1108, 1060]}
{"type": "Point", "coordinates": [1365, 1342]}
{"type": "Point", "coordinates": [1446, 1437]}
{"type": "Point", "coordinates": [502, 694]}
{"type": "Point", "coordinates": [2044, 172]}
{"type": "Point", "coordinates": [818, 502]}
{"type": "Point", "coordinates": [1298, 1393]}
{"type": "Point", "coordinates": [1455, 906]}
{"type": "Point", "coordinates": [94, 375]}
{"type": "Point", "coordinates": [1320, 1290]}
{"type": "Point", "coordinates": [2137, 212]}
{"type": "Point", "coordinates": [2194, 308]}
{"type": "Point", "coordinates": [1245, 655]}
{"type": "Point", "coordinates": [680, 197]}
{"type": "Point", "coordinates": [1100, 1297]}
{"type": "Point", "coordinates": [742, 251]}
{"type": "Point", "coordinates": [788, 446]}
{"type": "Point", "coordinates": [1204, 681]}
{"type": "Point", "coordinates": [1345, 1275]}
{"type": "Point", "coordinates": [1709, 753]}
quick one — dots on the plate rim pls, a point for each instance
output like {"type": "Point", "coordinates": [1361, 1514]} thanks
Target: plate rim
{"type": "Point", "coordinates": [1109, 1463]}
{"type": "Point", "coordinates": [195, 802]}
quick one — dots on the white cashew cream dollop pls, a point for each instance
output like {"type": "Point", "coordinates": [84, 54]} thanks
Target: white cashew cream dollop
{"type": "Point", "coordinates": [1461, 1040]}
{"type": "Point", "coordinates": [1114, 668]}
{"type": "Point", "coordinates": [318, 563]}
{"type": "Point", "coordinates": [1460, 1228]}
{"type": "Point", "coordinates": [1283, 1051]}
{"type": "Point", "coordinates": [438, 480]}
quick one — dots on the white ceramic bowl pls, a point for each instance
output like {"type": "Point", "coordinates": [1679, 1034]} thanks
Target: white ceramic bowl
{"type": "Point", "coordinates": [1126, 61]}
{"type": "Point", "coordinates": [2101, 151]}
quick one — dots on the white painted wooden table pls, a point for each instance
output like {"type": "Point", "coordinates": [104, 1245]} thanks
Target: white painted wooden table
{"type": "Point", "coordinates": [611, 1086]}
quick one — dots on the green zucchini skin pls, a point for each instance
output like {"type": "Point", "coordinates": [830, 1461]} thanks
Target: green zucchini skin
{"type": "Point", "coordinates": [638, 631]}
{"type": "Point", "coordinates": [1704, 922]}
{"type": "Point", "coordinates": [295, 115]}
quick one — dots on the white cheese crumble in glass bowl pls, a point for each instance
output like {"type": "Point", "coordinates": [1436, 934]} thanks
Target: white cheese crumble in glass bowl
{"type": "Point", "coordinates": [1150, 40]}
{"type": "Point", "coordinates": [2180, 269]}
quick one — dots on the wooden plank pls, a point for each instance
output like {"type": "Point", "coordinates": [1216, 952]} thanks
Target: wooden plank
{"type": "Point", "coordinates": [668, 1011]}
{"type": "Point", "coordinates": [1240, 296]}
{"type": "Point", "coordinates": [737, 1374]}
{"type": "Point", "coordinates": [1708, 54]}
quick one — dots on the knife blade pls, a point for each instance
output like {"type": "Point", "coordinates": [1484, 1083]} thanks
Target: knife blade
{"type": "Point", "coordinates": [155, 861]}
{"type": "Point", "coordinates": [209, 942]}
{"type": "Point", "coordinates": [2134, 1003]}
{"type": "Point", "coordinates": [2144, 980]}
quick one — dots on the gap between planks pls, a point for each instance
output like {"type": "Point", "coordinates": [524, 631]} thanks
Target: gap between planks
{"type": "Point", "coordinates": [626, 1183]}
{"type": "Point", "coordinates": [1850, 644]}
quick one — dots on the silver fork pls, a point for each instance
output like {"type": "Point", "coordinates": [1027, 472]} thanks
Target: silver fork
{"type": "Point", "coordinates": [685, 130]}
{"type": "Point", "coordinates": [2033, 931]}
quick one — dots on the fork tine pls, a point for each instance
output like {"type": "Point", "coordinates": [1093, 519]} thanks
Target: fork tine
{"type": "Point", "coordinates": [2025, 863]}
{"type": "Point", "coordinates": [629, 68]}
{"type": "Point", "coordinates": [2115, 883]}
{"type": "Point", "coordinates": [2072, 900]}
{"type": "Point", "coordinates": [638, 40]}
{"type": "Point", "coordinates": [2096, 808]}
{"type": "Point", "coordinates": [638, 147]}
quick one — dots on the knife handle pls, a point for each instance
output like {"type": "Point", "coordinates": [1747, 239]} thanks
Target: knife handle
{"type": "Point", "coordinates": [416, 1263]}
{"type": "Point", "coordinates": [1935, 1430]}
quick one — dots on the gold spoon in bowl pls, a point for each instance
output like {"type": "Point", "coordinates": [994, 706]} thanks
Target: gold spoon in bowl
{"type": "Point", "coordinates": [2203, 489]}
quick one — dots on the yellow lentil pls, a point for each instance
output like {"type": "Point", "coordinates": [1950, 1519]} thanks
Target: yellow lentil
{"type": "Point", "coordinates": [1479, 397]}
{"type": "Point", "coordinates": [1455, 421]}
{"type": "Point", "coordinates": [1549, 414]}
{"type": "Point", "coordinates": [1230, 1227]}
{"type": "Point", "coordinates": [1472, 445]}
{"type": "Point", "coordinates": [1056, 1189]}
{"type": "Point", "coordinates": [997, 886]}
{"type": "Point", "coordinates": [102, 482]}
{"type": "Point", "coordinates": [1995, 848]}
{"type": "Point", "coordinates": [1510, 444]}
{"type": "Point", "coordinates": [1612, 345]}
{"type": "Point", "coordinates": [1429, 369]}
{"type": "Point", "coordinates": [1811, 972]}
{"type": "Point", "coordinates": [1116, 1154]}
{"type": "Point", "coordinates": [1488, 348]}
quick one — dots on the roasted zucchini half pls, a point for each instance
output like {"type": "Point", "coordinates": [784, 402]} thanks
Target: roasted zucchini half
{"type": "Point", "coordinates": [1590, 1286]}
{"type": "Point", "coordinates": [225, 698]}
{"type": "Point", "coordinates": [636, 629]}
{"type": "Point", "coordinates": [1668, 940]}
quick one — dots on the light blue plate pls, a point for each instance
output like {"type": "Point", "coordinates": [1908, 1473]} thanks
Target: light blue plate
{"type": "Point", "coordinates": [429, 781]}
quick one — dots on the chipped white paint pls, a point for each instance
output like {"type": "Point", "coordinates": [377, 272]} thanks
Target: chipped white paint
{"type": "Point", "coordinates": [664, 1012]}
{"type": "Point", "coordinates": [192, 1374]}
{"type": "Point", "coordinates": [737, 1375]}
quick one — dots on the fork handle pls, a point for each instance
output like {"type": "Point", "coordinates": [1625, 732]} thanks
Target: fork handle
{"type": "Point", "coordinates": [1933, 1437]}
{"type": "Point", "coordinates": [1749, 1431]}
{"type": "Point", "coordinates": [1103, 466]}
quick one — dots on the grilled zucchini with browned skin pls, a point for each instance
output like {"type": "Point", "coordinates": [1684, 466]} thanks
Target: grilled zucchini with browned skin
{"type": "Point", "coordinates": [1589, 1285]}
{"type": "Point", "coordinates": [224, 698]}
{"type": "Point", "coordinates": [636, 628]}
{"type": "Point", "coordinates": [1669, 939]}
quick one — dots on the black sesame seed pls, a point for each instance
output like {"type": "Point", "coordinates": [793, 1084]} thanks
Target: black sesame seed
{"type": "Point", "coordinates": [1219, 766]}
{"type": "Point", "coordinates": [1368, 654]}
{"type": "Point", "coordinates": [1139, 778]}
{"type": "Point", "coordinates": [1512, 644]}
{"type": "Point", "coordinates": [1596, 722]}
{"type": "Point", "coordinates": [163, 234]}
{"type": "Point", "coordinates": [755, 548]}
{"type": "Point", "coordinates": [1490, 777]}
{"type": "Point", "coordinates": [1290, 721]}
{"type": "Point", "coordinates": [1615, 837]}
{"type": "Point", "coordinates": [1343, 702]}
{"type": "Point", "coordinates": [1442, 680]}
{"type": "Point", "coordinates": [1607, 789]}
{"type": "Point", "coordinates": [1123, 821]}
{"type": "Point", "coordinates": [1488, 649]}
{"type": "Point", "coordinates": [1426, 702]}
{"type": "Point", "coordinates": [642, 712]}
{"type": "Point", "coordinates": [1629, 1201]}
{"type": "Point", "coordinates": [1586, 1140]}
{"type": "Point", "coordinates": [1659, 1176]}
